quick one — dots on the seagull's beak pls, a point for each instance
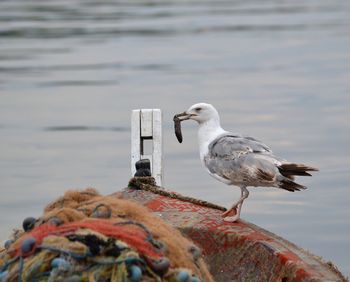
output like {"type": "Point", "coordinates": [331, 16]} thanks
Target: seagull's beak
{"type": "Point", "coordinates": [183, 116]}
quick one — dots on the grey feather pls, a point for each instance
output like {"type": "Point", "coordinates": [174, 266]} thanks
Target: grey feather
{"type": "Point", "coordinates": [230, 146]}
{"type": "Point", "coordinates": [245, 161]}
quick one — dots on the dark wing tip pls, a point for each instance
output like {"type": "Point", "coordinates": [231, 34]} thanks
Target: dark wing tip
{"type": "Point", "coordinates": [291, 169]}
{"type": "Point", "coordinates": [290, 185]}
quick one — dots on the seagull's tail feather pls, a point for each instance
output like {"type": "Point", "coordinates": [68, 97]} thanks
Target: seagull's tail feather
{"type": "Point", "coordinates": [290, 185]}
{"type": "Point", "coordinates": [290, 169]}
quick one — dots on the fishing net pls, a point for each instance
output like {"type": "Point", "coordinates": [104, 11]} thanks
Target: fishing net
{"type": "Point", "coordinates": [83, 236]}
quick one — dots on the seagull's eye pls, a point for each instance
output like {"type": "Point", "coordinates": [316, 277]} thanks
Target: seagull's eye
{"type": "Point", "coordinates": [198, 109]}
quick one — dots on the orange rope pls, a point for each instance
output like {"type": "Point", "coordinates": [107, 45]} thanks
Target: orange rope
{"type": "Point", "coordinates": [133, 236]}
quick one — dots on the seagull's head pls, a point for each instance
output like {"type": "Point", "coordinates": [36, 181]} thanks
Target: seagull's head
{"type": "Point", "coordinates": [201, 112]}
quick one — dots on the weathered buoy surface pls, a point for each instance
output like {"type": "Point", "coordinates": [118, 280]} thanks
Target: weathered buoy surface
{"type": "Point", "coordinates": [238, 251]}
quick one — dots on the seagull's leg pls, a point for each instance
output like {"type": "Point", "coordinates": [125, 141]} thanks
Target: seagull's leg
{"type": "Point", "coordinates": [245, 194]}
{"type": "Point", "coordinates": [234, 206]}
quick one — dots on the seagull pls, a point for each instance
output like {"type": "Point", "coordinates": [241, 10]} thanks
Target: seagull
{"type": "Point", "coordinates": [239, 160]}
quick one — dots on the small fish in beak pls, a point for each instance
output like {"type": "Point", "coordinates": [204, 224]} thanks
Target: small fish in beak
{"type": "Point", "coordinates": [177, 124]}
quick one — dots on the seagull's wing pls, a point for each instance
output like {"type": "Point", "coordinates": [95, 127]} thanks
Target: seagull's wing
{"type": "Point", "coordinates": [233, 146]}
{"type": "Point", "coordinates": [241, 160]}
{"type": "Point", "coordinates": [246, 161]}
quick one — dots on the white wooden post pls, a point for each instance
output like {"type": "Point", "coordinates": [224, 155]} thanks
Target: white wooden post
{"type": "Point", "coordinates": [146, 124]}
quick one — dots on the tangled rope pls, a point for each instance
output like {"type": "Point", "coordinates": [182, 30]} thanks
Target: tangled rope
{"type": "Point", "coordinates": [105, 243]}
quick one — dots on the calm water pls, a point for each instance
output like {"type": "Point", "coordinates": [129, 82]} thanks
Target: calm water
{"type": "Point", "coordinates": [71, 72]}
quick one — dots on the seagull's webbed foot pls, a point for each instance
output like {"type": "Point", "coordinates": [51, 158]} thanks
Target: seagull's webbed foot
{"type": "Point", "coordinates": [232, 214]}
{"type": "Point", "coordinates": [232, 211]}
{"type": "Point", "coordinates": [231, 218]}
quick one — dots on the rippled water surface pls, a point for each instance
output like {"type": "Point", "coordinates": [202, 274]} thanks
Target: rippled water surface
{"type": "Point", "coordinates": [71, 72]}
